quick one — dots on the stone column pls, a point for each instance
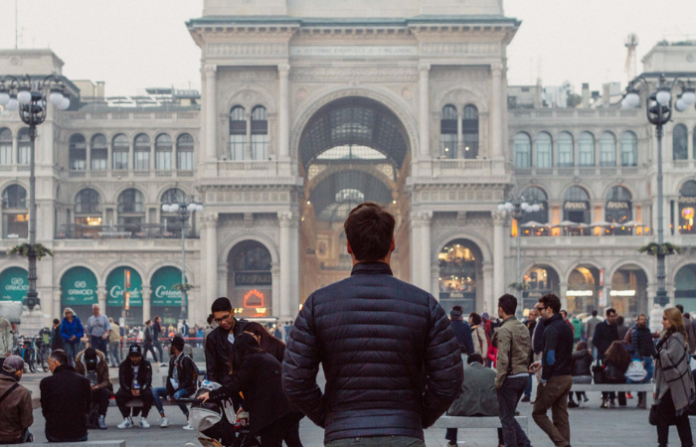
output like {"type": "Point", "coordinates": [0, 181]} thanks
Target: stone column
{"type": "Point", "coordinates": [425, 218]}
{"type": "Point", "coordinates": [414, 229]}
{"type": "Point", "coordinates": [285, 219]}
{"type": "Point", "coordinates": [489, 304]}
{"type": "Point", "coordinates": [147, 303]}
{"type": "Point", "coordinates": [563, 291]}
{"type": "Point", "coordinates": [499, 285]}
{"type": "Point", "coordinates": [210, 112]}
{"type": "Point", "coordinates": [275, 289]}
{"type": "Point", "coordinates": [57, 309]}
{"type": "Point", "coordinates": [435, 281]}
{"type": "Point", "coordinates": [496, 112]}
{"type": "Point", "coordinates": [210, 224]}
{"type": "Point", "coordinates": [424, 79]}
{"type": "Point", "coordinates": [101, 298]}
{"type": "Point", "coordinates": [284, 113]}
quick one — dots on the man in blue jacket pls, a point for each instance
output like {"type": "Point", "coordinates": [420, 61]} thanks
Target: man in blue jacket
{"type": "Point", "coordinates": [462, 331]}
{"type": "Point", "coordinates": [391, 359]}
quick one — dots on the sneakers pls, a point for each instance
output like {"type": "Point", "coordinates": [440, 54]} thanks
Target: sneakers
{"type": "Point", "coordinates": [525, 399]}
{"type": "Point", "coordinates": [101, 423]}
{"type": "Point", "coordinates": [188, 427]}
{"type": "Point", "coordinates": [164, 423]}
{"type": "Point", "coordinates": [144, 423]}
{"type": "Point", "coordinates": [127, 423]}
{"type": "Point", "coordinates": [573, 404]}
{"type": "Point", "coordinates": [604, 404]}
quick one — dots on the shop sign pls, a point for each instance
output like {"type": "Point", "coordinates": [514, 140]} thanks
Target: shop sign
{"type": "Point", "coordinates": [79, 287]}
{"type": "Point", "coordinates": [116, 286]}
{"type": "Point", "coordinates": [575, 206]}
{"type": "Point", "coordinates": [162, 283]}
{"type": "Point", "coordinates": [13, 284]}
{"type": "Point", "coordinates": [253, 278]}
{"type": "Point", "coordinates": [618, 205]}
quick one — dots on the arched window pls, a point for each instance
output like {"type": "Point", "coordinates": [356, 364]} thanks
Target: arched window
{"type": "Point", "coordinates": [184, 152]}
{"type": "Point", "coordinates": [586, 149]}
{"type": "Point", "coordinates": [163, 152]}
{"type": "Point", "coordinates": [680, 149]}
{"type": "Point", "coordinates": [576, 207]}
{"type": "Point", "coordinates": [687, 207]}
{"type": "Point", "coordinates": [250, 282]}
{"type": "Point", "coordinates": [99, 152]}
{"type": "Point", "coordinates": [23, 146]}
{"type": "Point", "coordinates": [607, 149]}
{"type": "Point", "coordinates": [77, 152]}
{"type": "Point", "coordinates": [536, 195]}
{"type": "Point", "coordinates": [88, 214]}
{"type": "Point", "coordinates": [259, 133]}
{"type": "Point", "coordinates": [119, 152]}
{"type": "Point", "coordinates": [523, 150]}
{"type": "Point", "coordinates": [566, 157]}
{"type": "Point", "coordinates": [88, 201]}
{"type": "Point", "coordinates": [15, 214]}
{"type": "Point", "coordinates": [131, 211]}
{"type": "Point", "coordinates": [170, 221]}
{"type": "Point", "coordinates": [448, 132]}
{"type": "Point", "coordinates": [5, 146]}
{"type": "Point", "coordinates": [629, 149]}
{"type": "Point", "coordinates": [619, 209]}
{"type": "Point", "coordinates": [238, 132]}
{"type": "Point", "coordinates": [470, 131]}
{"type": "Point", "coordinates": [460, 276]}
{"type": "Point", "coordinates": [141, 153]}
{"type": "Point", "coordinates": [544, 150]}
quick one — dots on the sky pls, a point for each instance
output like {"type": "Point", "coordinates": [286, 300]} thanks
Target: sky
{"type": "Point", "coordinates": [134, 44]}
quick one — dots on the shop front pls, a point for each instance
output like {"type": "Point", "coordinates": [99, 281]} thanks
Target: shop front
{"type": "Point", "coordinates": [124, 293]}
{"type": "Point", "coordinates": [79, 291]}
{"type": "Point", "coordinates": [251, 281]}
{"type": "Point", "coordinates": [165, 301]}
{"type": "Point", "coordinates": [539, 280]}
{"type": "Point", "coordinates": [13, 284]}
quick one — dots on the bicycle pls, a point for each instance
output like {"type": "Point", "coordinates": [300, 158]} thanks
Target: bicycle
{"type": "Point", "coordinates": [42, 353]}
{"type": "Point", "coordinates": [26, 350]}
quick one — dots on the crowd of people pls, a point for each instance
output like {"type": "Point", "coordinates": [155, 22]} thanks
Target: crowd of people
{"type": "Point", "coordinates": [394, 363]}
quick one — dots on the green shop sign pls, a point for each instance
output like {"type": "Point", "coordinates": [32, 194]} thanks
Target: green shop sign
{"type": "Point", "coordinates": [13, 284]}
{"type": "Point", "coordinates": [79, 287]}
{"type": "Point", "coordinates": [162, 283]}
{"type": "Point", "coordinates": [115, 286]}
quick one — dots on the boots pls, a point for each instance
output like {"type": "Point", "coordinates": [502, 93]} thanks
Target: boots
{"type": "Point", "coordinates": [642, 398]}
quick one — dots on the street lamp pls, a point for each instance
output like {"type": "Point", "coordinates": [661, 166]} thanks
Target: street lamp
{"type": "Point", "coordinates": [518, 208]}
{"type": "Point", "coordinates": [659, 111]}
{"type": "Point", "coordinates": [29, 97]}
{"type": "Point", "coordinates": [183, 211]}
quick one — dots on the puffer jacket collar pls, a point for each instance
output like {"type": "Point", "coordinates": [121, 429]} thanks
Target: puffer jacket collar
{"type": "Point", "coordinates": [372, 268]}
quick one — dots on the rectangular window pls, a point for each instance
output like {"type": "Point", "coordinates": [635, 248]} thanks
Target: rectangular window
{"type": "Point", "coordinates": [23, 153]}
{"type": "Point", "coordinates": [628, 158]}
{"type": "Point", "coordinates": [237, 147]}
{"type": "Point", "coordinates": [185, 160]}
{"type": "Point", "coordinates": [586, 158]}
{"type": "Point", "coordinates": [99, 159]}
{"type": "Point", "coordinates": [6, 154]}
{"type": "Point", "coordinates": [163, 160]}
{"type": "Point", "coordinates": [15, 226]}
{"type": "Point", "coordinates": [141, 160]}
{"type": "Point", "coordinates": [448, 145]}
{"type": "Point", "coordinates": [78, 159]}
{"type": "Point", "coordinates": [120, 160]}
{"type": "Point", "coordinates": [565, 155]}
{"type": "Point", "coordinates": [259, 147]}
{"type": "Point", "coordinates": [607, 158]}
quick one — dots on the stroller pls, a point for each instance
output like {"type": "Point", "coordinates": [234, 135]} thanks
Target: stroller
{"type": "Point", "coordinates": [212, 421]}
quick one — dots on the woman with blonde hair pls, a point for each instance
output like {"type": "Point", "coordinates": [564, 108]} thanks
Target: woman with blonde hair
{"type": "Point", "coordinates": [674, 382]}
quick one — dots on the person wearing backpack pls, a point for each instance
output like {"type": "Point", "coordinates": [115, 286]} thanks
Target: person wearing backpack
{"type": "Point", "coordinates": [478, 335]}
{"type": "Point", "coordinates": [641, 340]}
{"type": "Point", "coordinates": [181, 381]}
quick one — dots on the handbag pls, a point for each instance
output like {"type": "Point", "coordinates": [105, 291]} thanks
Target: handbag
{"type": "Point", "coordinates": [598, 372]}
{"type": "Point", "coordinates": [652, 418]}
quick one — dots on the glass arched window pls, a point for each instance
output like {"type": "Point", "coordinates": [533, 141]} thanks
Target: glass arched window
{"type": "Point", "coordinates": [460, 263]}
{"type": "Point", "coordinates": [544, 150]}
{"type": "Point", "coordinates": [15, 213]}
{"type": "Point", "coordinates": [141, 153]}
{"type": "Point", "coordinates": [5, 146]}
{"type": "Point", "coordinates": [88, 201]}
{"type": "Point", "coordinates": [88, 213]}
{"type": "Point", "coordinates": [523, 150]}
{"type": "Point", "coordinates": [536, 195]}
{"type": "Point", "coordinates": [576, 206]}
{"type": "Point", "coordinates": [607, 149]}
{"type": "Point", "coordinates": [119, 152]}
{"type": "Point", "coordinates": [77, 150]}
{"type": "Point", "coordinates": [259, 133]}
{"type": "Point", "coordinates": [184, 152]}
{"type": "Point", "coordinates": [687, 207]}
{"type": "Point", "coordinates": [238, 132]}
{"type": "Point", "coordinates": [99, 152]}
{"type": "Point", "coordinates": [619, 209]}
{"type": "Point", "coordinates": [566, 158]}
{"type": "Point", "coordinates": [250, 284]}
{"type": "Point", "coordinates": [448, 132]}
{"type": "Point", "coordinates": [586, 149]}
{"type": "Point", "coordinates": [23, 146]}
{"type": "Point", "coordinates": [131, 211]}
{"type": "Point", "coordinates": [680, 148]}
{"type": "Point", "coordinates": [170, 221]}
{"type": "Point", "coordinates": [629, 149]}
{"type": "Point", "coordinates": [470, 131]}
{"type": "Point", "coordinates": [163, 152]}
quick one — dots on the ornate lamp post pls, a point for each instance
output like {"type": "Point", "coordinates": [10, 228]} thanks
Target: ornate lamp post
{"type": "Point", "coordinates": [31, 98]}
{"type": "Point", "coordinates": [658, 107]}
{"type": "Point", "coordinates": [183, 211]}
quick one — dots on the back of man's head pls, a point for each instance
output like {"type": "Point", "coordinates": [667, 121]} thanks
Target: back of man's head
{"type": "Point", "coordinates": [474, 358]}
{"type": "Point", "coordinates": [508, 303]}
{"type": "Point", "coordinates": [456, 312]}
{"type": "Point", "coordinates": [13, 366]}
{"type": "Point", "coordinates": [594, 313]}
{"type": "Point", "coordinates": [56, 321]}
{"type": "Point", "coordinates": [221, 304]}
{"type": "Point", "coordinates": [58, 357]}
{"type": "Point", "coordinates": [680, 307]}
{"type": "Point", "coordinates": [370, 232]}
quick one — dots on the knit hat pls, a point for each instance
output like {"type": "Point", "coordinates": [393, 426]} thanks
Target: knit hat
{"type": "Point", "coordinates": [134, 349]}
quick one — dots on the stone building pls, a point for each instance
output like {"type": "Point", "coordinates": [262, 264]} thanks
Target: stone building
{"type": "Point", "coordinates": [308, 108]}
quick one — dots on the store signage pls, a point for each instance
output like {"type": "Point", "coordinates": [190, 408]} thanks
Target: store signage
{"type": "Point", "coordinates": [253, 299]}
{"type": "Point", "coordinates": [253, 278]}
{"type": "Point", "coordinates": [690, 200]}
{"type": "Point", "coordinates": [577, 293]}
{"type": "Point", "coordinates": [575, 205]}
{"type": "Point", "coordinates": [13, 284]}
{"type": "Point", "coordinates": [116, 286]}
{"type": "Point", "coordinates": [622, 293]}
{"type": "Point", "coordinates": [618, 205]}
{"type": "Point", "coordinates": [79, 287]}
{"type": "Point", "coordinates": [162, 283]}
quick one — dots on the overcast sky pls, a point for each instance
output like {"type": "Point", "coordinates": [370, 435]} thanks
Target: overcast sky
{"type": "Point", "coordinates": [133, 44]}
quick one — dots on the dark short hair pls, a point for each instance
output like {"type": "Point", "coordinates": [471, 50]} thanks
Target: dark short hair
{"type": "Point", "coordinates": [370, 230]}
{"type": "Point", "coordinates": [680, 307]}
{"type": "Point", "coordinates": [221, 304]}
{"type": "Point", "coordinates": [210, 318]}
{"type": "Point", "coordinates": [508, 303]}
{"type": "Point", "coordinates": [687, 315]}
{"type": "Point", "coordinates": [475, 318]}
{"type": "Point", "coordinates": [59, 356]}
{"type": "Point", "coordinates": [56, 321]}
{"type": "Point", "coordinates": [609, 311]}
{"type": "Point", "coordinates": [552, 301]}
{"type": "Point", "coordinates": [474, 358]}
{"type": "Point", "coordinates": [594, 313]}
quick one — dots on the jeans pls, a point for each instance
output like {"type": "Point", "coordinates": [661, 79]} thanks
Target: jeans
{"type": "Point", "coordinates": [101, 397]}
{"type": "Point", "coordinates": [528, 390]}
{"type": "Point", "coordinates": [554, 395]}
{"type": "Point", "coordinates": [147, 347]}
{"type": "Point", "coordinates": [98, 343]}
{"type": "Point", "coordinates": [452, 433]}
{"type": "Point", "coordinates": [378, 441]}
{"type": "Point", "coordinates": [54, 439]}
{"type": "Point", "coordinates": [159, 393]}
{"type": "Point", "coordinates": [115, 352]}
{"type": "Point", "coordinates": [158, 346]}
{"type": "Point", "coordinates": [509, 395]}
{"type": "Point", "coordinates": [71, 349]}
{"type": "Point", "coordinates": [123, 397]}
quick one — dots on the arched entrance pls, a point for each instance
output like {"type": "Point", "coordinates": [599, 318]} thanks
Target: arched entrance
{"type": "Point", "coordinates": [629, 291]}
{"type": "Point", "coordinates": [79, 291]}
{"type": "Point", "coordinates": [583, 289]}
{"type": "Point", "coordinates": [685, 288]}
{"type": "Point", "coordinates": [540, 280]}
{"type": "Point", "coordinates": [125, 282]}
{"type": "Point", "coordinates": [165, 300]}
{"type": "Point", "coordinates": [353, 150]}
{"type": "Point", "coordinates": [250, 281]}
{"type": "Point", "coordinates": [460, 278]}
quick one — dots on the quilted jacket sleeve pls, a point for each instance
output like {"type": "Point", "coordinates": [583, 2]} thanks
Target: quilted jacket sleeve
{"type": "Point", "coordinates": [443, 366]}
{"type": "Point", "coordinates": [301, 365]}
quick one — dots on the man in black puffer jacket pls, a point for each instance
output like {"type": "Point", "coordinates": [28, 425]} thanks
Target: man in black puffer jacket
{"type": "Point", "coordinates": [391, 359]}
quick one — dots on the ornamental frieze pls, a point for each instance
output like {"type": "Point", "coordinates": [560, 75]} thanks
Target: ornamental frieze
{"type": "Point", "coordinates": [373, 74]}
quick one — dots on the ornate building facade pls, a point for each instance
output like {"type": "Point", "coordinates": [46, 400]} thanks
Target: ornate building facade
{"type": "Point", "coordinates": [309, 108]}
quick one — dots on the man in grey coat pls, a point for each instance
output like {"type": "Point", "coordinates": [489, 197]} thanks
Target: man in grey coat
{"type": "Point", "coordinates": [590, 327]}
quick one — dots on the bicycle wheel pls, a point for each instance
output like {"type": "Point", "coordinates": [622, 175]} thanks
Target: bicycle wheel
{"type": "Point", "coordinates": [43, 359]}
{"type": "Point", "coordinates": [32, 363]}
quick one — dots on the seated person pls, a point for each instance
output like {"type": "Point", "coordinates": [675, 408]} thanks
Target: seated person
{"type": "Point", "coordinates": [479, 396]}
{"type": "Point", "coordinates": [65, 400]}
{"type": "Point", "coordinates": [135, 380]}
{"type": "Point", "coordinates": [181, 380]}
{"type": "Point", "coordinates": [92, 364]}
{"type": "Point", "coordinates": [616, 363]}
{"type": "Point", "coordinates": [15, 403]}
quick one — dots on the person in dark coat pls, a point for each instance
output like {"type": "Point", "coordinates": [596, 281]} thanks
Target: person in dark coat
{"type": "Point", "coordinates": [220, 340]}
{"type": "Point", "coordinates": [390, 356]}
{"type": "Point", "coordinates": [531, 323]}
{"type": "Point", "coordinates": [641, 340]}
{"type": "Point", "coordinates": [91, 364]}
{"type": "Point", "coordinates": [135, 381]}
{"type": "Point", "coordinates": [462, 331]}
{"type": "Point", "coordinates": [65, 400]}
{"type": "Point", "coordinates": [270, 343]}
{"type": "Point", "coordinates": [605, 334]}
{"type": "Point", "coordinates": [180, 382]}
{"type": "Point", "coordinates": [56, 340]}
{"type": "Point", "coordinates": [257, 375]}
{"type": "Point", "coordinates": [582, 364]}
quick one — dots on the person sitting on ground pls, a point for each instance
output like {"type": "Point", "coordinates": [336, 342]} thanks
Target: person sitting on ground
{"type": "Point", "coordinates": [65, 400]}
{"type": "Point", "coordinates": [582, 363]}
{"type": "Point", "coordinates": [181, 381]}
{"type": "Point", "coordinates": [15, 403]}
{"type": "Point", "coordinates": [91, 363]}
{"type": "Point", "coordinates": [135, 380]}
{"type": "Point", "coordinates": [478, 398]}
{"type": "Point", "coordinates": [616, 362]}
